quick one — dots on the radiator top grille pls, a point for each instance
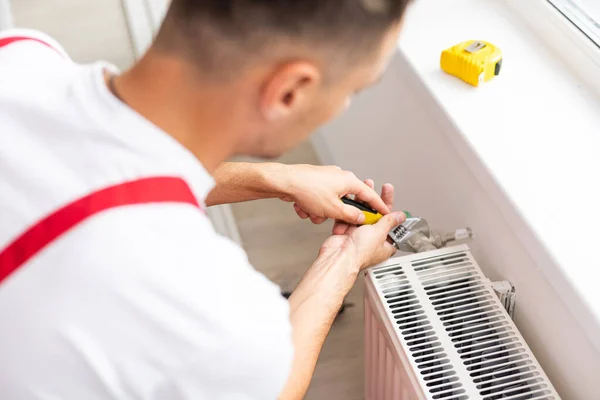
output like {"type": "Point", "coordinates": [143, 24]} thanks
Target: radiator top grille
{"type": "Point", "coordinates": [460, 340]}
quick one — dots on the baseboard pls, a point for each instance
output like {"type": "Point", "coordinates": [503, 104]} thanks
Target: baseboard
{"type": "Point", "coordinates": [143, 19]}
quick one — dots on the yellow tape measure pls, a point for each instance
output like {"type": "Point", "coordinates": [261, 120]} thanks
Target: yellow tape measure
{"type": "Point", "coordinates": [473, 61]}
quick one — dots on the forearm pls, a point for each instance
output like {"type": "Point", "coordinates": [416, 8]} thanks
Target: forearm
{"type": "Point", "coordinates": [314, 305]}
{"type": "Point", "coordinates": [237, 182]}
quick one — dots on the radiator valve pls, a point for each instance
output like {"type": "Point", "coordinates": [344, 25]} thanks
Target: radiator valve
{"type": "Point", "coordinates": [415, 236]}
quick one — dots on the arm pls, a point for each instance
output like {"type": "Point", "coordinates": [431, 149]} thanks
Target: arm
{"type": "Point", "coordinates": [319, 296]}
{"type": "Point", "coordinates": [239, 181]}
{"type": "Point", "coordinates": [313, 307]}
{"type": "Point", "coordinates": [314, 190]}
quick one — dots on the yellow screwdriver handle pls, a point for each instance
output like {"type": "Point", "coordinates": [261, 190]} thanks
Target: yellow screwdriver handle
{"type": "Point", "coordinates": [371, 216]}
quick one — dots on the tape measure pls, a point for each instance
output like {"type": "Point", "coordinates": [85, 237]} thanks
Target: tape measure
{"type": "Point", "coordinates": [473, 61]}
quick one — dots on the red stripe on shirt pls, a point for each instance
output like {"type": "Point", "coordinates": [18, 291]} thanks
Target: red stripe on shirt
{"type": "Point", "coordinates": [45, 231]}
{"type": "Point", "coordinates": [13, 39]}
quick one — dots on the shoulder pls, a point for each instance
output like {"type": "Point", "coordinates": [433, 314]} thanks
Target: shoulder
{"type": "Point", "coordinates": [29, 62]}
{"type": "Point", "coordinates": [28, 41]}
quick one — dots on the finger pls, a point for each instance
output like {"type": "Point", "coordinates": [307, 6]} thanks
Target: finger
{"type": "Point", "coordinates": [317, 220]}
{"type": "Point", "coordinates": [389, 249]}
{"type": "Point", "coordinates": [351, 215]}
{"type": "Point", "coordinates": [366, 194]}
{"type": "Point", "coordinates": [301, 213]}
{"type": "Point", "coordinates": [340, 228]}
{"type": "Point", "coordinates": [388, 222]}
{"type": "Point", "coordinates": [370, 183]}
{"type": "Point", "coordinates": [387, 195]}
{"type": "Point", "coordinates": [351, 228]}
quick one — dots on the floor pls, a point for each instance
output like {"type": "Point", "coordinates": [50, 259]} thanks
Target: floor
{"type": "Point", "coordinates": [278, 243]}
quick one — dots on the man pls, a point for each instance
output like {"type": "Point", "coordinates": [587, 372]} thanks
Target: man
{"type": "Point", "coordinates": [113, 283]}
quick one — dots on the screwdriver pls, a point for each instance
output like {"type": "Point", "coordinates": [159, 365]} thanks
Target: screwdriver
{"type": "Point", "coordinates": [371, 215]}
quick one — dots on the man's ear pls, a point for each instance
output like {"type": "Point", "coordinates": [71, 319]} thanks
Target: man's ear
{"type": "Point", "coordinates": [289, 88]}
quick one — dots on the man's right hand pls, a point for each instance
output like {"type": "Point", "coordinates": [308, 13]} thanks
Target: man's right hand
{"type": "Point", "coordinates": [366, 244]}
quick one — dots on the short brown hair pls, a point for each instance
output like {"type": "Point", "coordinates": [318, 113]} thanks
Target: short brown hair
{"type": "Point", "coordinates": [221, 34]}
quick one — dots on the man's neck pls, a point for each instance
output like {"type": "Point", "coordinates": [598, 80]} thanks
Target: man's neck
{"type": "Point", "coordinates": [159, 90]}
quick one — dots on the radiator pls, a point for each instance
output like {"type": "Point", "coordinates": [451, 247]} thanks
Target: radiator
{"type": "Point", "coordinates": [435, 330]}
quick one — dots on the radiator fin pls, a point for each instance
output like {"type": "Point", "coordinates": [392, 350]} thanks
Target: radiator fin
{"type": "Point", "coordinates": [433, 364]}
{"type": "Point", "coordinates": [453, 330]}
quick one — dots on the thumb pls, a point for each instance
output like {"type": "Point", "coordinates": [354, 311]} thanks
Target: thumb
{"type": "Point", "coordinates": [351, 215]}
{"type": "Point", "coordinates": [390, 221]}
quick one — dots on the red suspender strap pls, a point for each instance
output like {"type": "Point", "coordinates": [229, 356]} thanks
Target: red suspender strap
{"type": "Point", "coordinates": [12, 39]}
{"type": "Point", "coordinates": [43, 232]}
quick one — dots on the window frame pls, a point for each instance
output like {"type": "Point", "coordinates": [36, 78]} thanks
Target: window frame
{"type": "Point", "coordinates": [563, 8]}
{"type": "Point", "coordinates": [559, 34]}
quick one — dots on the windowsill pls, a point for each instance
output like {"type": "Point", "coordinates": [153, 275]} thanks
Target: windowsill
{"type": "Point", "coordinates": [535, 129]}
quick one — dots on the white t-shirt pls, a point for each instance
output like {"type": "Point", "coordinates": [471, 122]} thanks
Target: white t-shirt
{"type": "Point", "coordinates": [138, 302]}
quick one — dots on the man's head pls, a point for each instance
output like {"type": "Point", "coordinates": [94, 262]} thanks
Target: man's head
{"type": "Point", "coordinates": [287, 66]}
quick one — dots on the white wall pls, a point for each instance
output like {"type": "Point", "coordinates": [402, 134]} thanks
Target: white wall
{"type": "Point", "coordinates": [396, 133]}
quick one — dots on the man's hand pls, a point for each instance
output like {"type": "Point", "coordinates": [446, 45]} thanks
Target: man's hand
{"type": "Point", "coordinates": [316, 192]}
{"type": "Point", "coordinates": [368, 242]}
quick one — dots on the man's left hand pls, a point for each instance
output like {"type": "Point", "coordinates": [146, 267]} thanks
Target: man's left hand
{"type": "Point", "coordinates": [316, 192]}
